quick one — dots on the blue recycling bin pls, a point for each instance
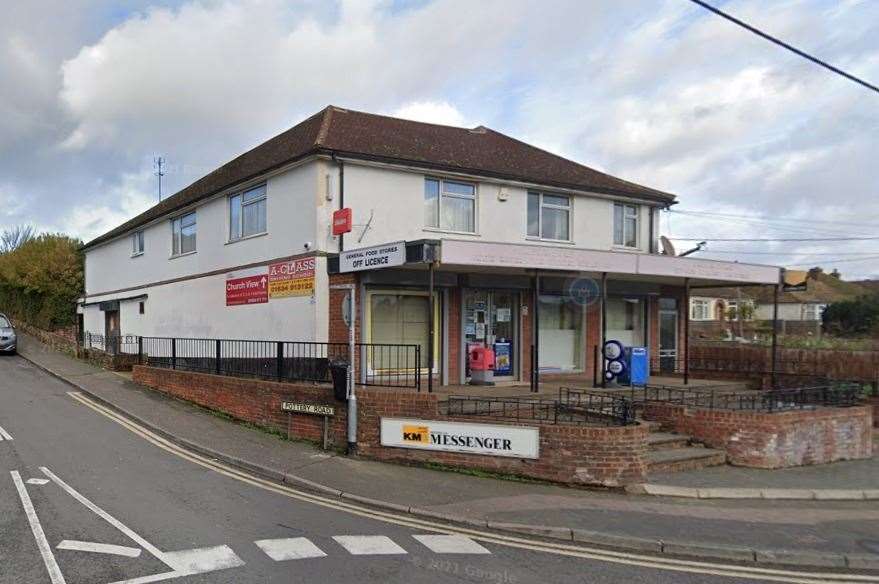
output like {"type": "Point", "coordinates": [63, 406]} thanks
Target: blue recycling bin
{"type": "Point", "coordinates": [637, 366]}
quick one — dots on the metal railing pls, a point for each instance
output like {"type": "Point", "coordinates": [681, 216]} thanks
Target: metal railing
{"type": "Point", "coordinates": [840, 394]}
{"type": "Point", "coordinates": [376, 364]}
{"type": "Point", "coordinates": [754, 367]}
{"type": "Point", "coordinates": [111, 344]}
{"type": "Point", "coordinates": [574, 407]}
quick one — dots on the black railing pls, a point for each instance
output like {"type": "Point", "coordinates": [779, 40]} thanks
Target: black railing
{"type": "Point", "coordinates": [840, 394]}
{"type": "Point", "coordinates": [382, 365]}
{"type": "Point", "coordinates": [572, 407]}
{"type": "Point", "coordinates": [794, 370]}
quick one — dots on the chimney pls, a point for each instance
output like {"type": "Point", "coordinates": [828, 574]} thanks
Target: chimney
{"type": "Point", "coordinates": [835, 273]}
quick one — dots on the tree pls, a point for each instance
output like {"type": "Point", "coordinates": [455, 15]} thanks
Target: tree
{"type": "Point", "coordinates": [14, 237]}
{"type": "Point", "coordinates": [41, 279]}
{"type": "Point", "coordinates": [852, 317]}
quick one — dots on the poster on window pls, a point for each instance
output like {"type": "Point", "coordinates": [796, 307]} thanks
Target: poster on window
{"type": "Point", "coordinates": [293, 278]}
{"type": "Point", "coordinates": [503, 361]}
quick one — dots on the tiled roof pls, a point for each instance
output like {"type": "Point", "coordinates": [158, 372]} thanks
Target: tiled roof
{"type": "Point", "coordinates": [479, 151]}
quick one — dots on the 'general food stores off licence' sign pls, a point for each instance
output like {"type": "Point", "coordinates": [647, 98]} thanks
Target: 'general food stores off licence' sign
{"type": "Point", "coordinates": [370, 258]}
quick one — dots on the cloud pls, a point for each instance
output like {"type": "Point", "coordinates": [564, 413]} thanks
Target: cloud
{"type": "Point", "coordinates": [662, 93]}
{"type": "Point", "coordinates": [434, 112]}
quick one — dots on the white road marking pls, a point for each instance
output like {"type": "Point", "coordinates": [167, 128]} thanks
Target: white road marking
{"type": "Point", "coordinates": [99, 548]}
{"type": "Point", "coordinates": [575, 551]}
{"type": "Point", "coordinates": [451, 544]}
{"type": "Point", "coordinates": [293, 548]}
{"type": "Point", "coordinates": [369, 545]}
{"type": "Point", "coordinates": [55, 574]}
{"type": "Point", "coordinates": [201, 560]}
{"type": "Point", "coordinates": [159, 555]}
{"type": "Point", "coordinates": [4, 435]}
{"type": "Point", "coordinates": [37, 481]}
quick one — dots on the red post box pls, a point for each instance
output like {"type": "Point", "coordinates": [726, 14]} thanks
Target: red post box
{"type": "Point", "coordinates": [481, 361]}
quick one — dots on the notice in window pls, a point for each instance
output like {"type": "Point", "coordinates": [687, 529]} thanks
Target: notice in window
{"type": "Point", "coordinates": [291, 279]}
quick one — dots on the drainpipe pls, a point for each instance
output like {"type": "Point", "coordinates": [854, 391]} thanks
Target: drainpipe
{"type": "Point", "coordinates": [341, 195]}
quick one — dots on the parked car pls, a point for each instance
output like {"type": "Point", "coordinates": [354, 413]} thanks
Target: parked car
{"type": "Point", "coordinates": [8, 337]}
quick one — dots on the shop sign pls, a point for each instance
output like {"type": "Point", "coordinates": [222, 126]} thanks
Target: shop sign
{"type": "Point", "coordinates": [371, 258]}
{"type": "Point", "coordinates": [293, 278]}
{"type": "Point", "coordinates": [313, 409]}
{"type": "Point", "coordinates": [484, 439]}
{"type": "Point", "coordinates": [342, 221]}
{"type": "Point", "coordinates": [250, 288]}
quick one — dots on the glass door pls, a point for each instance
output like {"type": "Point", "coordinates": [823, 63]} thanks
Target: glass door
{"type": "Point", "coordinates": [668, 340]}
{"type": "Point", "coordinates": [490, 320]}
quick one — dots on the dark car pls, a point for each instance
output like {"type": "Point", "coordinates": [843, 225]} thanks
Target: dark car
{"type": "Point", "coordinates": [8, 337]}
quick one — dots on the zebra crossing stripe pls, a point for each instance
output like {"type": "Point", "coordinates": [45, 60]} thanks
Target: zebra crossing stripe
{"type": "Point", "coordinates": [451, 544]}
{"type": "Point", "coordinates": [369, 545]}
{"type": "Point", "coordinates": [4, 435]}
{"type": "Point", "coordinates": [293, 548]}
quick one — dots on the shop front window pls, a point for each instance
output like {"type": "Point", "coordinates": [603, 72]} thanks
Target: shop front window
{"type": "Point", "coordinates": [625, 321]}
{"type": "Point", "coordinates": [399, 318]}
{"type": "Point", "coordinates": [561, 334]}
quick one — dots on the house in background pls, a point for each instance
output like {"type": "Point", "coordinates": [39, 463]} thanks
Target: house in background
{"type": "Point", "coordinates": [799, 312]}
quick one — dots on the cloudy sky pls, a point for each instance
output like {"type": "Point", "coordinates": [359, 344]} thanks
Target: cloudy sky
{"type": "Point", "coordinates": [656, 91]}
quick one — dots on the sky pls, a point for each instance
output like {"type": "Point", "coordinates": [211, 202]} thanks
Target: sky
{"type": "Point", "coordinates": [660, 92]}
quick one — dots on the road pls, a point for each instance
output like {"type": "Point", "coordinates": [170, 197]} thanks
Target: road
{"type": "Point", "coordinates": [87, 499]}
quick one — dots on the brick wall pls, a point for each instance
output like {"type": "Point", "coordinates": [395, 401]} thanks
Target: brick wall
{"type": "Point", "coordinates": [873, 402]}
{"type": "Point", "coordinates": [777, 440]}
{"type": "Point", "coordinates": [609, 457]}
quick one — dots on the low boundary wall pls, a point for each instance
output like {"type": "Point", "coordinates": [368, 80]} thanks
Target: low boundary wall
{"type": "Point", "coordinates": [776, 440]}
{"type": "Point", "coordinates": [612, 456]}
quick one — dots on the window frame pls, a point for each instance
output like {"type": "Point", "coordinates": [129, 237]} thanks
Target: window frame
{"type": "Point", "coordinates": [242, 204]}
{"type": "Point", "coordinates": [624, 209]}
{"type": "Point", "coordinates": [703, 305]}
{"type": "Point", "coordinates": [541, 204]}
{"type": "Point", "coordinates": [138, 243]}
{"type": "Point", "coordinates": [442, 195]}
{"type": "Point", "coordinates": [177, 234]}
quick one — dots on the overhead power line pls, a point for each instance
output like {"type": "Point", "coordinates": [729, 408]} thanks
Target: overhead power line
{"type": "Point", "coordinates": [783, 44]}
{"type": "Point", "coordinates": [775, 239]}
{"type": "Point", "coordinates": [765, 219]}
{"type": "Point", "coordinates": [792, 253]}
{"type": "Point", "coordinates": [839, 261]}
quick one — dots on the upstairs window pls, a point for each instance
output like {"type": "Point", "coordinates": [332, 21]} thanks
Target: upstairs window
{"type": "Point", "coordinates": [549, 216]}
{"type": "Point", "coordinates": [137, 243]}
{"type": "Point", "coordinates": [625, 225]}
{"type": "Point", "coordinates": [247, 213]}
{"type": "Point", "coordinates": [450, 205]}
{"type": "Point", "coordinates": [183, 231]}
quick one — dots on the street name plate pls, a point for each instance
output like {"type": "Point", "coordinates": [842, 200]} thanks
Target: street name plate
{"type": "Point", "coordinates": [313, 409]}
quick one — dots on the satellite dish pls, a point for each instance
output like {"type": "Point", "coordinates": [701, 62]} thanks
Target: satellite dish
{"type": "Point", "coordinates": [667, 247]}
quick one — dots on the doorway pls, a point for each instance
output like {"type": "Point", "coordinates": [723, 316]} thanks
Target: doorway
{"type": "Point", "coordinates": [491, 319]}
{"type": "Point", "coordinates": [668, 335]}
{"type": "Point", "coordinates": [111, 331]}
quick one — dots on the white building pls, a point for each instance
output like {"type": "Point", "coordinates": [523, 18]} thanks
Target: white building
{"type": "Point", "coordinates": [247, 252]}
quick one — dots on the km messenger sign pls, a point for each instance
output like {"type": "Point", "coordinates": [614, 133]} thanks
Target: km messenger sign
{"type": "Point", "coordinates": [490, 440]}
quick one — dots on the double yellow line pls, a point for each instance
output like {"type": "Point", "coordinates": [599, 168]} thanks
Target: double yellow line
{"type": "Point", "coordinates": [583, 552]}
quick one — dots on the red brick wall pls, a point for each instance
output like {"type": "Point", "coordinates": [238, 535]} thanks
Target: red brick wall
{"type": "Point", "coordinates": [778, 440]}
{"type": "Point", "coordinates": [453, 343]}
{"type": "Point", "coordinates": [610, 457]}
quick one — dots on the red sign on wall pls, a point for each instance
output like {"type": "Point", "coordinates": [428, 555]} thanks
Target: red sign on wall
{"type": "Point", "coordinates": [247, 290]}
{"type": "Point", "coordinates": [342, 221]}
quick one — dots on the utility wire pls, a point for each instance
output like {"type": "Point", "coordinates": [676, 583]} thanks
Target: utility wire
{"type": "Point", "coordinates": [773, 220]}
{"type": "Point", "coordinates": [839, 261]}
{"type": "Point", "coordinates": [791, 253]}
{"type": "Point", "coordinates": [783, 44]}
{"type": "Point", "coordinates": [775, 239]}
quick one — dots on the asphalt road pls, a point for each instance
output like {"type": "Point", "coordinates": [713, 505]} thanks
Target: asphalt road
{"type": "Point", "coordinates": [85, 500]}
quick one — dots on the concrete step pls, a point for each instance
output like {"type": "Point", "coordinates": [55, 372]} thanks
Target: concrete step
{"type": "Point", "coordinates": [678, 459]}
{"type": "Point", "coordinates": [667, 441]}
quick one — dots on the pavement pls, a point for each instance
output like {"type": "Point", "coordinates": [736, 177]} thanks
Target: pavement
{"type": "Point", "coordinates": [802, 533]}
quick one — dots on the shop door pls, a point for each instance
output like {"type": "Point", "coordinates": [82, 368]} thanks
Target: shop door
{"type": "Point", "coordinates": [491, 320]}
{"type": "Point", "coordinates": [668, 340]}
